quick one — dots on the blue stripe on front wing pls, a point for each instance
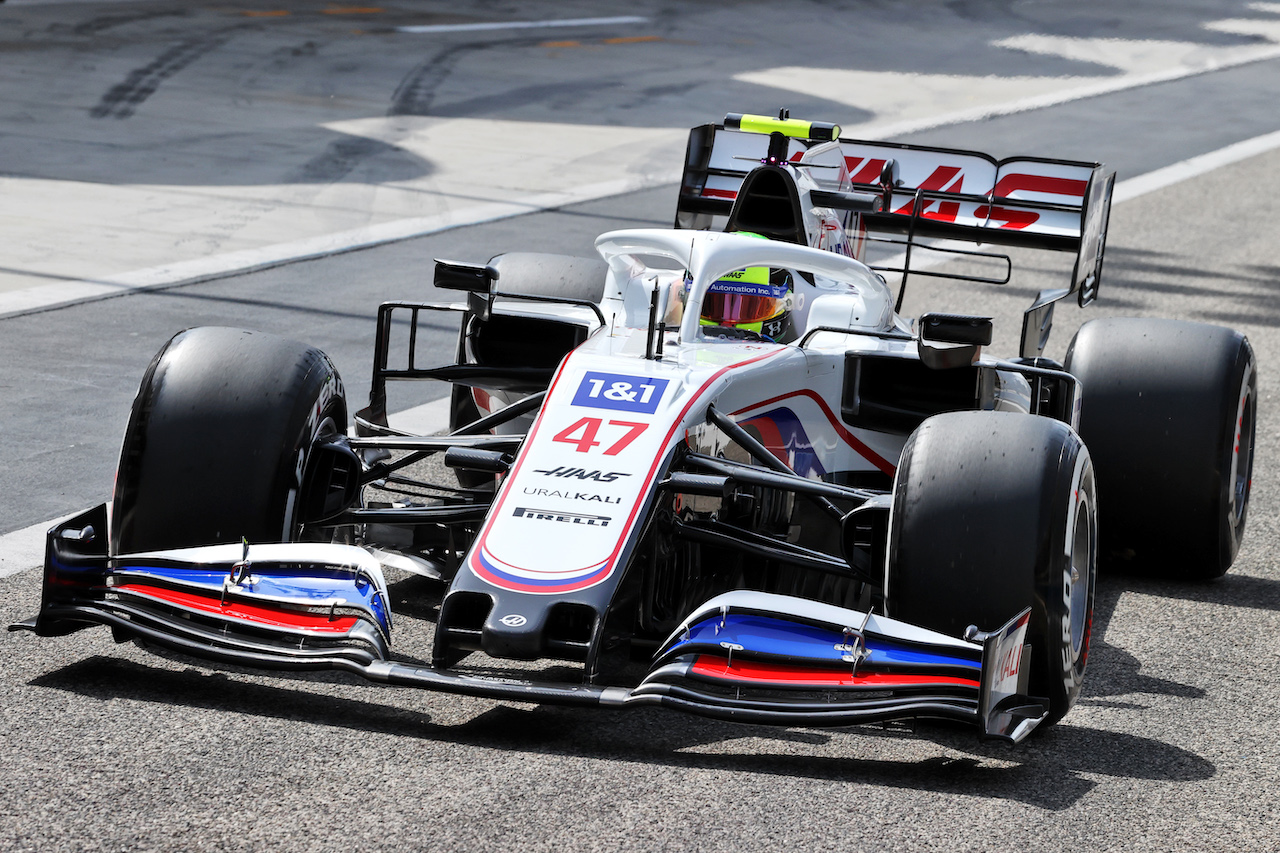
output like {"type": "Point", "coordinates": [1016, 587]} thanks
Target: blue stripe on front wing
{"type": "Point", "coordinates": [783, 638]}
{"type": "Point", "coordinates": [318, 584]}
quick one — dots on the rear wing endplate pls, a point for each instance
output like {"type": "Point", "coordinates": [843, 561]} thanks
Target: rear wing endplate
{"type": "Point", "coordinates": [927, 192]}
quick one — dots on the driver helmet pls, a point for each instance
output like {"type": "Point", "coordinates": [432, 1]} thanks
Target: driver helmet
{"type": "Point", "coordinates": [755, 299]}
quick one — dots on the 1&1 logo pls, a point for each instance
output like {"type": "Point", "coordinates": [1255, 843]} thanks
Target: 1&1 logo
{"type": "Point", "coordinates": [620, 392]}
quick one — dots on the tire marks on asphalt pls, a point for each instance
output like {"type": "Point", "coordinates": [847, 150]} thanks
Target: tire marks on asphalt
{"type": "Point", "coordinates": [550, 95]}
{"type": "Point", "coordinates": [416, 94]}
{"type": "Point", "coordinates": [338, 160]}
{"type": "Point", "coordinates": [417, 91]}
{"type": "Point", "coordinates": [123, 99]}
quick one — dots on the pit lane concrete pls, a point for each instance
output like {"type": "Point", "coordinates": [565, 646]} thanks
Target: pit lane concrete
{"type": "Point", "coordinates": [1171, 748]}
{"type": "Point", "coordinates": [101, 215]}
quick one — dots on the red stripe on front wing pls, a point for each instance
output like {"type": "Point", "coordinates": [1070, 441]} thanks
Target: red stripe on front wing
{"type": "Point", "coordinates": [257, 614]}
{"type": "Point", "coordinates": [748, 671]}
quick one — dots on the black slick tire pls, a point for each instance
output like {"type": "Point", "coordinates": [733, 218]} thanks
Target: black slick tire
{"type": "Point", "coordinates": [993, 512]}
{"type": "Point", "coordinates": [1168, 411]}
{"type": "Point", "coordinates": [218, 439]}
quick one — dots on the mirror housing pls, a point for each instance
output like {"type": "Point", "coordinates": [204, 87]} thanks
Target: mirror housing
{"type": "Point", "coordinates": [951, 340]}
{"type": "Point", "coordinates": [472, 278]}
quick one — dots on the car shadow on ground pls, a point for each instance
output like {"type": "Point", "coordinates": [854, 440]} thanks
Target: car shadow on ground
{"type": "Point", "coordinates": [1136, 274]}
{"type": "Point", "coordinates": [1114, 671]}
{"type": "Point", "coordinates": [1052, 770]}
{"type": "Point", "coordinates": [1231, 590]}
{"type": "Point", "coordinates": [1046, 771]}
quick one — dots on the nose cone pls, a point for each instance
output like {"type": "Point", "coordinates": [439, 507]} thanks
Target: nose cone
{"type": "Point", "coordinates": [515, 630]}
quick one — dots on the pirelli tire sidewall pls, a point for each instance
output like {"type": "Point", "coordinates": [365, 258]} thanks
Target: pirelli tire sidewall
{"type": "Point", "coordinates": [218, 439]}
{"type": "Point", "coordinates": [1168, 410]}
{"type": "Point", "coordinates": [994, 512]}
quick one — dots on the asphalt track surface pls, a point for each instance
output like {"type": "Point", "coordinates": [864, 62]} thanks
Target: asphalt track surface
{"type": "Point", "coordinates": [1172, 746]}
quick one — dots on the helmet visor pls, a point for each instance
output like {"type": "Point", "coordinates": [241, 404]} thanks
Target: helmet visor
{"type": "Point", "coordinates": [732, 309]}
{"type": "Point", "coordinates": [732, 302]}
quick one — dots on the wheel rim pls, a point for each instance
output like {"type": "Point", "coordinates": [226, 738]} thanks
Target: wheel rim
{"type": "Point", "coordinates": [1080, 577]}
{"type": "Point", "coordinates": [1242, 458]}
{"type": "Point", "coordinates": [325, 429]}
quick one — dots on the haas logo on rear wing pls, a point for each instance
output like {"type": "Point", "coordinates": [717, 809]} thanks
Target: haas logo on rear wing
{"type": "Point", "coordinates": [1033, 202]}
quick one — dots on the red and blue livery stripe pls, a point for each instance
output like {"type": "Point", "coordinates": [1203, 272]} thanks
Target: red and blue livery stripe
{"type": "Point", "coordinates": [281, 595]}
{"type": "Point", "coordinates": [491, 569]}
{"type": "Point", "coordinates": [858, 445]}
{"type": "Point", "coordinates": [256, 614]}
{"type": "Point", "coordinates": [783, 434]}
{"type": "Point", "coordinates": [759, 673]}
{"type": "Point", "coordinates": [810, 645]}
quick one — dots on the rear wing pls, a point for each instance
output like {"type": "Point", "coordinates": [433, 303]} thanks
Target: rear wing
{"type": "Point", "coordinates": [926, 192]}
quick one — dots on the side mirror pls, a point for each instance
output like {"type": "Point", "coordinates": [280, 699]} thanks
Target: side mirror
{"type": "Point", "coordinates": [951, 340]}
{"type": "Point", "coordinates": [473, 278]}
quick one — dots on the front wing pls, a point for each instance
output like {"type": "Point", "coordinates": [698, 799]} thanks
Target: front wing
{"type": "Point", "coordinates": [742, 656]}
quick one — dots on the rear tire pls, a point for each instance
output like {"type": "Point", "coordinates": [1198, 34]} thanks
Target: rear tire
{"type": "Point", "coordinates": [993, 512]}
{"type": "Point", "coordinates": [218, 440]}
{"type": "Point", "coordinates": [1168, 410]}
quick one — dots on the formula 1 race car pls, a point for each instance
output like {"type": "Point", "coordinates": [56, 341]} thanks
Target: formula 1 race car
{"type": "Point", "coordinates": [714, 470]}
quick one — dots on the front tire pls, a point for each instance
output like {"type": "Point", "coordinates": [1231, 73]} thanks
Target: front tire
{"type": "Point", "coordinates": [218, 440]}
{"type": "Point", "coordinates": [994, 512]}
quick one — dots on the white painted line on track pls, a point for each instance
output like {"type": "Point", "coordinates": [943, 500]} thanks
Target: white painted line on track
{"type": "Point", "coordinates": [802, 79]}
{"type": "Point", "coordinates": [520, 25]}
{"type": "Point", "coordinates": [427, 419]}
{"type": "Point", "coordinates": [1194, 167]}
{"type": "Point", "coordinates": [48, 296]}
{"type": "Point", "coordinates": [24, 549]}
{"type": "Point", "coordinates": [44, 297]}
